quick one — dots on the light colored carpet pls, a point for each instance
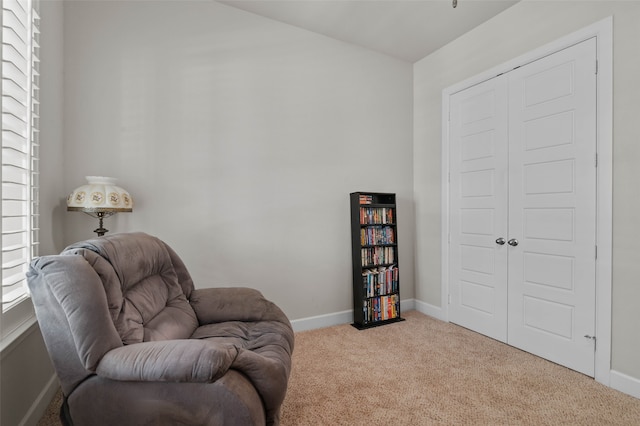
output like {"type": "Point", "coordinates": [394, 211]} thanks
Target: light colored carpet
{"type": "Point", "coordinates": [426, 372]}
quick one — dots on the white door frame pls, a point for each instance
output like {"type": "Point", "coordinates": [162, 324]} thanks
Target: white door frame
{"type": "Point", "coordinates": [603, 32]}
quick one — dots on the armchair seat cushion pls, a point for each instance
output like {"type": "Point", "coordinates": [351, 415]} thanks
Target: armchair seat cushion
{"type": "Point", "coordinates": [261, 336]}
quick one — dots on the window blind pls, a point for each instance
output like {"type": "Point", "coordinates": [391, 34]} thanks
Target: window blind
{"type": "Point", "coordinates": [20, 143]}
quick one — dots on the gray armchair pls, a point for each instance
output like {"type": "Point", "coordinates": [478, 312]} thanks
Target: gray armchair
{"type": "Point", "coordinates": [134, 343]}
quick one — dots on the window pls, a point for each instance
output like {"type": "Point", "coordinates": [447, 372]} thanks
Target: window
{"type": "Point", "coordinates": [20, 142]}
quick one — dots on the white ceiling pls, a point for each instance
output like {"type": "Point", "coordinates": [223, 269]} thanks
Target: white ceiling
{"type": "Point", "coordinates": [405, 29]}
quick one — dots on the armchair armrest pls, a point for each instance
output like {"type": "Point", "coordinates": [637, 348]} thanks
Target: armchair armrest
{"type": "Point", "coordinates": [168, 361]}
{"type": "Point", "coordinates": [214, 305]}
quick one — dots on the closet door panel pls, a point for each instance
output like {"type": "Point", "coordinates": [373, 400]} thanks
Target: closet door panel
{"type": "Point", "coordinates": [552, 199]}
{"type": "Point", "coordinates": [478, 197]}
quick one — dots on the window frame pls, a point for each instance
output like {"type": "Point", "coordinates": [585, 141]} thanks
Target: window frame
{"type": "Point", "coordinates": [19, 316]}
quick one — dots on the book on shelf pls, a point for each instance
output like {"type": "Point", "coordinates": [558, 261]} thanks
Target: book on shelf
{"type": "Point", "coordinates": [379, 255]}
{"type": "Point", "coordinates": [376, 215]}
{"type": "Point", "coordinates": [366, 199]}
{"type": "Point", "coordinates": [381, 308]}
{"type": "Point", "coordinates": [376, 235]}
{"type": "Point", "coordinates": [379, 281]}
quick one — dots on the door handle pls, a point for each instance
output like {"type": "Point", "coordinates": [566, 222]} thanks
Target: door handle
{"type": "Point", "coordinates": [500, 241]}
{"type": "Point", "coordinates": [513, 242]}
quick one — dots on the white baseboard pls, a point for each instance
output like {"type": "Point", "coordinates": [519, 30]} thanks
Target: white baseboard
{"type": "Point", "coordinates": [41, 403]}
{"type": "Point", "coordinates": [624, 383]}
{"type": "Point", "coordinates": [337, 318]}
{"type": "Point", "coordinates": [431, 310]}
{"type": "Point", "coordinates": [407, 305]}
{"type": "Point", "coordinates": [321, 321]}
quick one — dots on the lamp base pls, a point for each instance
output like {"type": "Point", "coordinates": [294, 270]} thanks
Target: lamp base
{"type": "Point", "coordinates": [101, 230]}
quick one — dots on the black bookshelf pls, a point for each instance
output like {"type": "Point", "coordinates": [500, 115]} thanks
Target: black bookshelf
{"type": "Point", "coordinates": [374, 248]}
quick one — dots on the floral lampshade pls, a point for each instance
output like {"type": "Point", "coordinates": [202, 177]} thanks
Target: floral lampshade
{"type": "Point", "coordinates": [100, 194]}
{"type": "Point", "coordinates": [100, 198]}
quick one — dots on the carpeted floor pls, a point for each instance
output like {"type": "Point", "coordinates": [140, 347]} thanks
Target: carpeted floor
{"type": "Point", "coordinates": [427, 372]}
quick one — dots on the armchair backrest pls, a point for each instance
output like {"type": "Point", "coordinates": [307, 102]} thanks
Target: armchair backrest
{"type": "Point", "coordinates": [102, 293]}
{"type": "Point", "coordinates": [146, 299]}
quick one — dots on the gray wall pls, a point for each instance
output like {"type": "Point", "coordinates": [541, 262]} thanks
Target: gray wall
{"type": "Point", "coordinates": [27, 380]}
{"type": "Point", "coordinates": [240, 139]}
{"type": "Point", "coordinates": [522, 28]}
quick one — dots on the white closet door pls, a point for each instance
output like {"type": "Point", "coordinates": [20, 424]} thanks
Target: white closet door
{"type": "Point", "coordinates": [552, 206]}
{"type": "Point", "coordinates": [523, 168]}
{"type": "Point", "coordinates": [478, 197]}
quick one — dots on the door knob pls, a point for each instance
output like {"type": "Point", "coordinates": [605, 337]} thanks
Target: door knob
{"type": "Point", "coordinates": [500, 241]}
{"type": "Point", "coordinates": [513, 242]}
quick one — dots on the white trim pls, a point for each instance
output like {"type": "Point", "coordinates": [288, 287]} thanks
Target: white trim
{"type": "Point", "coordinates": [17, 335]}
{"type": "Point", "coordinates": [604, 47]}
{"type": "Point", "coordinates": [431, 310]}
{"type": "Point", "coordinates": [444, 217]}
{"type": "Point", "coordinates": [407, 305]}
{"type": "Point", "coordinates": [623, 383]}
{"type": "Point", "coordinates": [41, 403]}
{"type": "Point", "coordinates": [603, 32]}
{"type": "Point", "coordinates": [321, 321]}
{"type": "Point", "coordinates": [338, 318]}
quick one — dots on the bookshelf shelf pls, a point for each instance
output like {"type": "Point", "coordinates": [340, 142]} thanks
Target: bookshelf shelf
{"type": "Point", "coordinates": [374, 247]}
